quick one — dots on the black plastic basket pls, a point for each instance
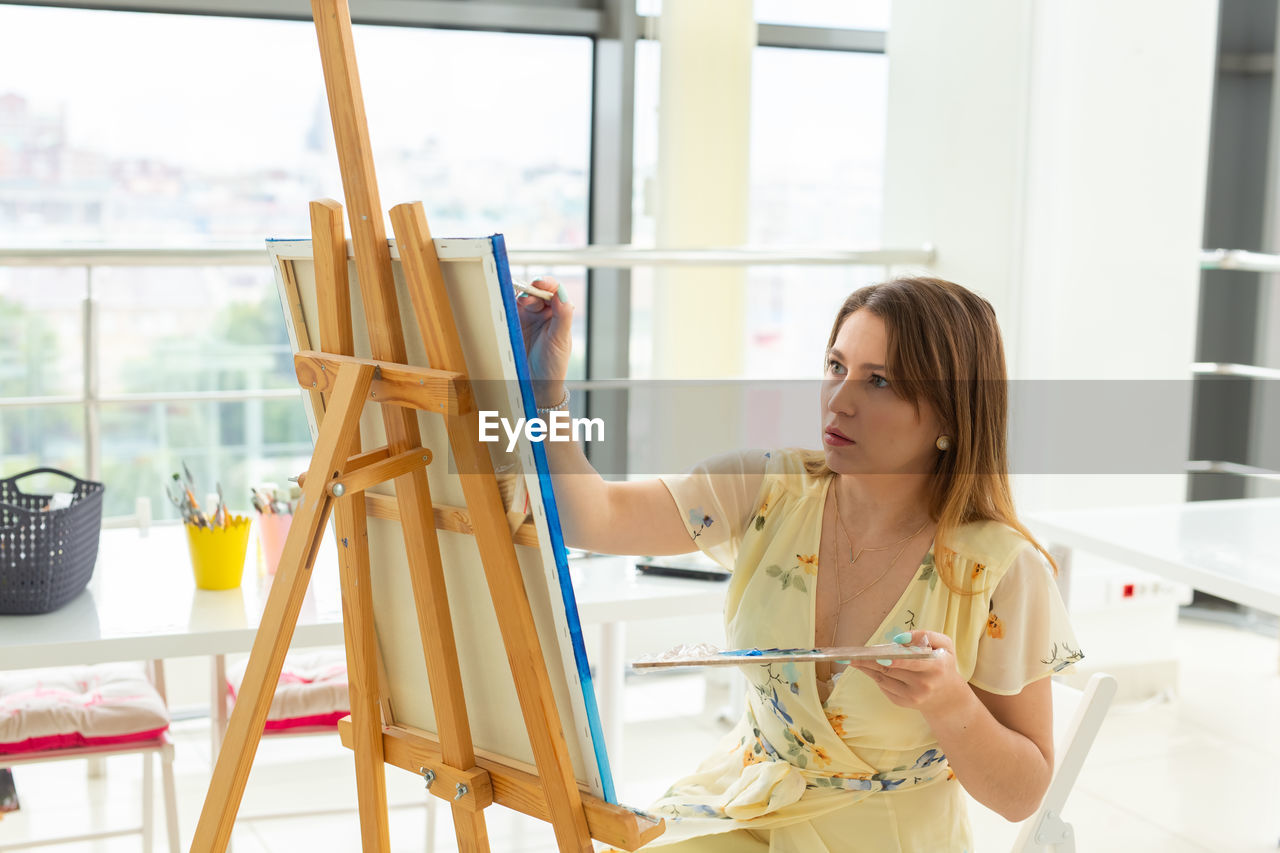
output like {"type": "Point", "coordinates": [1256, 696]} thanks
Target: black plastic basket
{"type": "Point", "coordinates": [46, 555]}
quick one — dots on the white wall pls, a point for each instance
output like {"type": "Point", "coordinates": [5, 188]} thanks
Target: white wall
{"type": "Point", "coordinates": [1056, 153]}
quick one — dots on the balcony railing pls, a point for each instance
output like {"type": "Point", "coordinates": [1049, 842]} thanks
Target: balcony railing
{"type": "Point", "coordinates": [91, 258]}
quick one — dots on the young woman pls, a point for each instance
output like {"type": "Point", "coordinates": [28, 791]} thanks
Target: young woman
{"type": "Point", "coordinates": [900, 530]}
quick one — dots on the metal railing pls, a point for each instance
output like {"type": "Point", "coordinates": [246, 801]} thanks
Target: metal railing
{"type": "Point", "coordinates": [90, 258]}
{"type": "Point", "coordinates": [592, 257]}
{"type": "Point", "coordinates": [1241, 261]}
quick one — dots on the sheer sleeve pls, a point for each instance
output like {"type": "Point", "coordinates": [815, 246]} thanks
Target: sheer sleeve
{"type": "Point", "coordinates": [1028, 634]}
{"type": "Point", "coordinates": [717, 499]}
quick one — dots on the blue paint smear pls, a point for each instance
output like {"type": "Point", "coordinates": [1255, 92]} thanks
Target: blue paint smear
{"type": "Point", "coordinates": [553, 519]}
{"type": "Point", "coordinates": [744, 653]}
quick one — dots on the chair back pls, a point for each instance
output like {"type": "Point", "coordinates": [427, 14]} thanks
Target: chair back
{"type": "Point", "coordinates": [1077, 717]}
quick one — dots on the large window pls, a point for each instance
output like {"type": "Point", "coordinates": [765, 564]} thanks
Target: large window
{"type": "Point", "coordinates": [144, 127]}
{"type": "Point", "coordinates": [818, 123]}
{"type": "Point", "coordinates": [154, 130]}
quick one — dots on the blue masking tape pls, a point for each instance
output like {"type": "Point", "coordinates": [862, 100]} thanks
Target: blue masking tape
{"type": "Point", "coordinates": [553, 519]}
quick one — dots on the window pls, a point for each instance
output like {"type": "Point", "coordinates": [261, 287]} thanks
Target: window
{"type": "Point", "coordinates": [169, 141]}
{"type": "Point", "coordinates": [818, 127]}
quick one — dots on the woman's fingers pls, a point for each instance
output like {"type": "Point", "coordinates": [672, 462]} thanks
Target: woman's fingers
{"type": "Point", "coordinates": [925, 639]}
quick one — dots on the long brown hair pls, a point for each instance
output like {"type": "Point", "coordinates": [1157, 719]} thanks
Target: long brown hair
{"type": "Point", "coordinates": [944, 347]}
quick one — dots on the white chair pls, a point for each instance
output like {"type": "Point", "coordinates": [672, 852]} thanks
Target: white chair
{"type": "Point", "coordinates": [13, 685]}
{"type": "Point", "coordinates": [1046, 830]}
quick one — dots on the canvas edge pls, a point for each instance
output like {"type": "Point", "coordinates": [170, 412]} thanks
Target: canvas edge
{"type": "Point", "coordinates": [592, 745]}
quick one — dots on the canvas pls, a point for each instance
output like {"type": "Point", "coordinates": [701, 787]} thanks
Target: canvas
{"type": "Point", "coordinates": [478, 281]}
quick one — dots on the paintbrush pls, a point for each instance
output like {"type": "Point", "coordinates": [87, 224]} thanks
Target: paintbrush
{"type": "Point", "coordinates": [529, 290]}
{"type": "Point", "coordinates": [220, 514]}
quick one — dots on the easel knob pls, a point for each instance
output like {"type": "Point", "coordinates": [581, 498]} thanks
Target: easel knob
{"type": "Point", "coordinates": [462, 791]}
{"type": "Point", "coordinates": [428, 776]}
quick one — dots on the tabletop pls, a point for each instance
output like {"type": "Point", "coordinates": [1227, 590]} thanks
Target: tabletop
{"type": "Point", "coordinates": [142, 603]}
{"type": "Point", "coordinates": [1226, 548]}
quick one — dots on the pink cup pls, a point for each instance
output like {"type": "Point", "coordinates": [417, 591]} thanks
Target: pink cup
{"type": "Point", "coordinates": [273, 529]}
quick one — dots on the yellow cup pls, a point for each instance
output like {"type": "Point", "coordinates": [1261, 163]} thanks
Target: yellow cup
{"type": "Point", "coordinates": [217, 554]}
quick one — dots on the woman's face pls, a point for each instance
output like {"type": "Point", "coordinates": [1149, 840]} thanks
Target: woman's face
{"type": "Point", "coordinates": [866, 427]}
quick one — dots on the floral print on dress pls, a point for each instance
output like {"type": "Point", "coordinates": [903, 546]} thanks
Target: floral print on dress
{"type": "Point", "coordinates": [886, 780]}
{"type": "Point", "coordinates": [1062, 656]}
{"type": "Point", "coordinates": [794, 576]}
{"type": "Point", "coordinates": [699, 521]}
{"type": "Point", "coordinates": [679, 811]}
{"type": "Point", "coordinates": [761, 514]}
{"type": "Point", "coordinates": [995, 628]}
{"type": "Point", "coordinates": [801, 745]}
{"type": "Point", "coordinates": [757, 748]}
{"type": "Point", "coordinates": [845, 781]}
{"type": "Point", "coordinates": [837, 723]}
{"type": "Point", "coordinates": [928, 571]}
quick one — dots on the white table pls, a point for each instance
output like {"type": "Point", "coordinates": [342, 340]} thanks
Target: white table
{"type": "Point", "coordinates": [1225, 548]}
{"type": "Point", "coordinates": [611, 592]}
{"type": "Point", "coordinates": [142, 604]}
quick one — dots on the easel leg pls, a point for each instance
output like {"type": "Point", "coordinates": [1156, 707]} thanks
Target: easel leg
{"type": "Point", "coordinates": [362, 671]}
{"type": "Point", "coordinates": [435, 626]}
{"type": "Point", "coordinates": [333, 295]}
{"type": "Point", "coordinates": [280, 616]}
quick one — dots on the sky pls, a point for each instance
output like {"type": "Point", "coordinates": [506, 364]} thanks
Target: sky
{"type": "Point", "coordinates": [233, 93]}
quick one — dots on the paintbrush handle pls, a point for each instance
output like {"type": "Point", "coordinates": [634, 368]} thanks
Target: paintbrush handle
{"type": "Point", "coordinates": [545, 295]}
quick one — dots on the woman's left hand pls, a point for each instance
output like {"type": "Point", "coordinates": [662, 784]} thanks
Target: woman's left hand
{"type": "Point", "coordinates": [925, 684]}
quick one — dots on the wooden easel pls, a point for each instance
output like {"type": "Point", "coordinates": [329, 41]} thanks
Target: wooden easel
{"type": "Point", "coordinates": [339, 472]}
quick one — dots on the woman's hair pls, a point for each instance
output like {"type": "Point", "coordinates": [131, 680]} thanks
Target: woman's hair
{"type": "Point", "coordinates": [944, 347]}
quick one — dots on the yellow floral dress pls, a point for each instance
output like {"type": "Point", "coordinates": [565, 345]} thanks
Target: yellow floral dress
{"type": "Point", "coordinates": [856, 772]}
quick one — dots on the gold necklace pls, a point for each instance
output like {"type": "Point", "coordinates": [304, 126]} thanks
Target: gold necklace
{"type": "Point", "coordinates": [840, 521]}
{"type": "Point", "coordinates": [842, 601]}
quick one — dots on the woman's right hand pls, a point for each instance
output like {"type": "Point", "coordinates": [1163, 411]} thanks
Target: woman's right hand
{"type": "Point", "coordinates": [548, 340]}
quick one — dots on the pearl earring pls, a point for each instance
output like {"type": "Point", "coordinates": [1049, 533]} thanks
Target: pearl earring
{"type": "Point", "coordinates": [943, 442]}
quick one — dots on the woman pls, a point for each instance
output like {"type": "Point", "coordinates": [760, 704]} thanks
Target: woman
{"type": "Point", "coordinates": [901, 530]}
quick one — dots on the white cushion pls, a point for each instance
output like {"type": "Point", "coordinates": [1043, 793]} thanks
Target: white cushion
{"type": "Point", "coordinates": [78, 705]}
{"type": "Point", "coordinates": [312, 684]}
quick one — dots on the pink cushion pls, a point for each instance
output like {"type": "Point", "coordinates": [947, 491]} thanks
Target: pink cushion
{"type": "Point", "coordinates": [312, 690]}
{"type": "Point", "coordinates": [43, 709]}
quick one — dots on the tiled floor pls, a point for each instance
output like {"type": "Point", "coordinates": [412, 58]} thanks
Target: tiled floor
{"type": "Point", "coordinates": [1195, 774]}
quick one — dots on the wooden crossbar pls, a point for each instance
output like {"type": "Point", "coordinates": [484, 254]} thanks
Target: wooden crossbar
{"type": "Point", "coordinates": [374, 473]}
{"type": "Point", "coordinates": [441, 391]}
{"type": "Point", "coordinates": [514, 785]}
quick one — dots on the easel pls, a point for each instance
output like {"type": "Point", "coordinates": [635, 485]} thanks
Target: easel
{"type": "Point", "coordinates": [335, 480]}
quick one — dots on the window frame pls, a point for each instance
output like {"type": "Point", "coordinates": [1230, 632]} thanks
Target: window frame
{"type": "Point", "coordinates": [614, 27]}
